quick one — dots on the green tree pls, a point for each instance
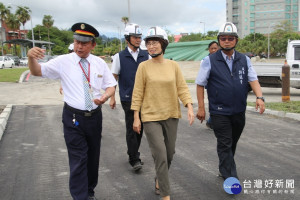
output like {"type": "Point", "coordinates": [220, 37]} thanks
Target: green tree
{"type": "Point", "coordinates": [125, 20]}
{"type": "Point", "coordinates": [13, 23]}
{"type": "Point", "coordinates": [212, 34]}
{"type": "Point", "coordinates": [23, 14]}
{"type": "Point", "coordinates": [192, 37]}
{"type": "Point", "coordinates": [48, 23]}
{"type": "Point", "coordinates": [4, 12]}
{"type": "Point", "coordinates": [252, 37]}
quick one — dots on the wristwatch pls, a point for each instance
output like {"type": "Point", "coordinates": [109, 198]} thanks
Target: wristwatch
{"type": "Point", "coordinates": [262, 98]}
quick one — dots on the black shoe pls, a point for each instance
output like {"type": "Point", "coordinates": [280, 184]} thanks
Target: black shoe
{"type": "Point", "coordinates": [92, 198]}
{"type": "Point", "coordinates": [137, 166]}
{"type": "Point", "coordinates": [142, 163]}
{"type": "Point", "coordinates": [220, 175]}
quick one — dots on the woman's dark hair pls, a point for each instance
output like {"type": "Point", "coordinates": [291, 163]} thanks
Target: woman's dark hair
{"type": "Point", "coordinates": [164, 43]}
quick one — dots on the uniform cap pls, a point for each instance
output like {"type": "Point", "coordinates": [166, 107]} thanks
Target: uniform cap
{"type": "Point", "coordinates": [84, 32]}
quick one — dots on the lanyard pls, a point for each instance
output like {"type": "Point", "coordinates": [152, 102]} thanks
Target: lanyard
{"type": "Point", "coordinates": [86, 76]}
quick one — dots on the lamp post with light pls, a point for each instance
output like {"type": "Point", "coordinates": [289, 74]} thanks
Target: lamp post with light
{"type": "Point", "coordinates": [119, 32]}
{"type": "Point", "coordinates": [270, 25]}
{"type": "Point", "coordinates": [204, 27]}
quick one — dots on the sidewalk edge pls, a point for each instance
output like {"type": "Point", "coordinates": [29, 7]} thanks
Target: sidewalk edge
{"type": "Point", "coordinates": [4, 116]}
{"type": "Point", "coordinates": [294, 116]}
{"type": "Point", "coordinates": [23, 75]}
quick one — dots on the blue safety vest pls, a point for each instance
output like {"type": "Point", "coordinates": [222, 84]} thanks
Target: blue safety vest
{"type": "Point", "coordinates": [127, 72]}
{"type": "Point", "coordinates": [227, 91]}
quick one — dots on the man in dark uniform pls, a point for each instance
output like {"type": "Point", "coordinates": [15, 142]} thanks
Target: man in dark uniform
{"type": "Point", "coordinates": [226, 75]}
{"type": "Point", "coordinates": [124, 68]}
{"type": "Point", "coordinates": [82, 76]}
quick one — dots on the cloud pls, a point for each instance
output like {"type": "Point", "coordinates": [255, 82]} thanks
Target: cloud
{"type": "Point", "coordinates": [175, 15]}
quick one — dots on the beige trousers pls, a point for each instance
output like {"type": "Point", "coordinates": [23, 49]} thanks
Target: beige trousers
{"type": "Point", "coordinates": [161, 137]}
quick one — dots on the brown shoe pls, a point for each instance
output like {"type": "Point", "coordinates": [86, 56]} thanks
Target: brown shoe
{"type": "Point", "coordinates": [157, 192]}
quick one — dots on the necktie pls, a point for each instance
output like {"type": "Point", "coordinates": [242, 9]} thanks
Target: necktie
{"type": "Point", "coordinates": [87, 97]}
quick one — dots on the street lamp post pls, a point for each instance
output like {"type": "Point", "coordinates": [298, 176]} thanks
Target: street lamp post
{"type": "Point", "coordinates": [270, 25]}
{"type": "Point", "coordinates": [119, 32]}
{"type": "Point", "coordinates": [204, 27]}
{"type": "Point", "coordinates": [129, 11]}
{"type": "Point", "coordinates": [32, 35]}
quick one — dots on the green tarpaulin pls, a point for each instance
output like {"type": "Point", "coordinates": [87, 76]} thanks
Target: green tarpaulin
{"type": "Point", "coordinates": [189, 51]}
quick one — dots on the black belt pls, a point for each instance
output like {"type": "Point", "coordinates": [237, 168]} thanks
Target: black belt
{"type": "Point", "coordinates": [84, 113]}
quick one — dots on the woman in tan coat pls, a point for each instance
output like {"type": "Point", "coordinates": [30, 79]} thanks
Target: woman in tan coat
{"type": "Point", "coordinates": [158, 85]}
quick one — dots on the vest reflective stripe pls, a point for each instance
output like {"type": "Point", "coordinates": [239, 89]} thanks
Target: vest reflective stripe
{"type": "Point", "coordinates": [127, 72]}
{"type": "Point", "coordinates": [227, 91]}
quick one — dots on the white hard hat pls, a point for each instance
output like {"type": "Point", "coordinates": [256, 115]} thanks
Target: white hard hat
{"type": "Point", "coordinates": [71, 47]}
{"type": "Point", "coordinates": [157, 32]}
{"type": "Point", "coordinates": [143, 45]}
{"type": "Point", "coordinates": [228, 29]}
{"type": "Point", "coordinates": [132, 29]}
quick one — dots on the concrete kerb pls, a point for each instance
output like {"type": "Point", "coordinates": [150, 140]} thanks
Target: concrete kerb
{"type": "Point", "coordinates": [4, 118]}
{"type": "Point", "coordinates": [23, 75]}
{"type": "Point", "coordinates": [283, 114]}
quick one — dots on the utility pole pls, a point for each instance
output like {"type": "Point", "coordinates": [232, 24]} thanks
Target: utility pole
{"type": "Point", "coordinates": [204, 27]}
{"type": "Point", "coordinates": [129, 18]}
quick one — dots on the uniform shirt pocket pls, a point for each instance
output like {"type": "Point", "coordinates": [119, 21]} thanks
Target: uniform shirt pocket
{"type": "Point", "coordinates": [97, 82]}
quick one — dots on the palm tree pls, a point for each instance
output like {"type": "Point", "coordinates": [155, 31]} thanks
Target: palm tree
{"type": "Point", "coordinates": [23, 14]}
{"type": "Point", "coordinates": [4, 12]}
{"type": "Point", "coordinates": [125, 20]}
{"type": "Point", "coordinates": [13, 23]}
{"type": "Point", "coordinates": [48, 23]}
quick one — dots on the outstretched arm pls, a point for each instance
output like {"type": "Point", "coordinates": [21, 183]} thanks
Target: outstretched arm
{"type": "Point", "coordinates": [33, 55]}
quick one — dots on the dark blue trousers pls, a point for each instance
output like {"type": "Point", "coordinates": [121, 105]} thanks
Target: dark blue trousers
{"type": "Point", "coordinates": [133, 139]}
{"type": "Point", "coordinates": [83, 142]}
{"type": "Point", "coordinates": [227, 129]}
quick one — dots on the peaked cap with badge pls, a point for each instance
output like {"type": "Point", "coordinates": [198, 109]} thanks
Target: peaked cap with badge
{"type": "Point", "coordinates": [84, 32]}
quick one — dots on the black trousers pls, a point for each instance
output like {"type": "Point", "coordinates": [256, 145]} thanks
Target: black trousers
{"type": "Point", "coordinates": [133, 139]}
{"type": "Point", "coordinates": [228, 129]}
{"type": "Point", "coordinates": [83, 142]}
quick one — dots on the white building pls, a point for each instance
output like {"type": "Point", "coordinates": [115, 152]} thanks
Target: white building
{"type": "Point", "coordinates": [260, 16]}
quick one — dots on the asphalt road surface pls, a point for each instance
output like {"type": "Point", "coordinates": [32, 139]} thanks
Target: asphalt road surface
{"type": "Point", "coordinates": [34, 162]}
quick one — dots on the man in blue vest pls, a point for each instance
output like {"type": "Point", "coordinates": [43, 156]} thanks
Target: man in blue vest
{"type": "Point", "coordinates": [226, 75]}
{"type": "Point", "coordinates": [124, 66]}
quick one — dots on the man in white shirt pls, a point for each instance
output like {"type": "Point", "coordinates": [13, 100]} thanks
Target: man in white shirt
{"type": "Point", "coordinates": [124, 66]}
{"type": "Point", "coordinates": [82, 76]}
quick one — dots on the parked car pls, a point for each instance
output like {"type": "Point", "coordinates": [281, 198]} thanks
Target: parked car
{"type": "Point", "coordinates": [24, 61]}
{"type": "Point", "coordinates": [15, 58]}
{"type": "Point", "coordinates": [263, 55]}
{"type": "Point", "coordinates": [6, 62]}
{"type": "Point", "coordinates": [249, 54]}
{"type": "Point", "coordinates": [45, 59]}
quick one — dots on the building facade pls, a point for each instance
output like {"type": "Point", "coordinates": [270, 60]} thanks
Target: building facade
{"type": "Point", "coordinates": [9, 34]}
{"type": "Point", "coordinates": [260, 16]}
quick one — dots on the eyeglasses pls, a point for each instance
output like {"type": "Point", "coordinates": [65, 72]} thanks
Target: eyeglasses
{"type": "Point", "coordinates": [227, 38]}
{"type": "Point", "coordinates": [153, 43]}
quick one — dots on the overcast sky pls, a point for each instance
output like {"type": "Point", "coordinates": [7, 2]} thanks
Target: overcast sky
{"type": "Point", "coordinates": [177, 16]}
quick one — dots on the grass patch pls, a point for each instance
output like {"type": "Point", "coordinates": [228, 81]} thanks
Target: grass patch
{"type": "Point", "coordinates": [190, 81]}
{"type": "Point", "coordinates": [292, 106]}
{"type": "Point", "coordinates": [11, 75]}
